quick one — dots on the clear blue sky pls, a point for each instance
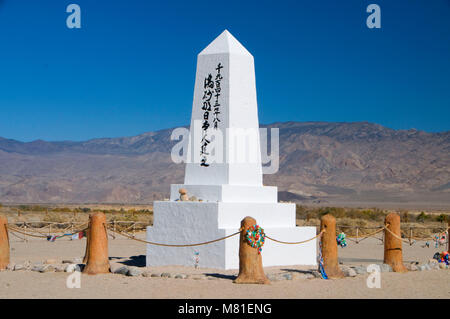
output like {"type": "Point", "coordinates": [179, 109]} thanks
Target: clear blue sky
{"type": "Point", "coordinates": [130, 68]}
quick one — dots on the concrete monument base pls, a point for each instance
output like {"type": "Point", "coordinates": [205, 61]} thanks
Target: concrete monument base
{"type": "Point", "coordinates": [195, 222]}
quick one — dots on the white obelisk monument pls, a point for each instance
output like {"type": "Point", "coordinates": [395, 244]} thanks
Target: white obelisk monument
{"type": "Point", "coordinates": [228, 180]}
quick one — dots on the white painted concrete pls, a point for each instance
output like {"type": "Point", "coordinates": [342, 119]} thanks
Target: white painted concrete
{"type": "Point", "coordinates": [227, 193]}
{"type": "Point", "coordinates": [196, 222]}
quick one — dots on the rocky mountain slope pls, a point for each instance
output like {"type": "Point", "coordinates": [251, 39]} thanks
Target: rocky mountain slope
{"type": "Point", "coordinates": [320, 162]}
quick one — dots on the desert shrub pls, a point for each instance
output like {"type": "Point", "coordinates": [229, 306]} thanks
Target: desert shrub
{"type": "Point", "coordinates": [337, 212]}
{"type": "Point", "coordinates": [300, 212]}
{"type": "Point", "coordinates": [31, 208]}
{"type": "Point", "coordinates": [442, 218]}
{"type": "Point", "coordinates": [404, 217]}
{"type": "Point", "coordinates": [422, 217]}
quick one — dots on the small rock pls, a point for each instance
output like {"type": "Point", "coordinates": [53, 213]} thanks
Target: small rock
{"type": "Point", "coordinates": [27, 265]}
{"type": "Point", "coordinates": [60, 268]}
{"type": "Point", "coordinates": [156, 275]}
{"type": "Point", "coordinates": [37, 267]}
{"type": "Point", "coordinates": [273, 277]}
{"type": "Point", "coordinates": [18, 267]}
{"type": "Point", "coordinates": [198, 277]}
{"type": "Point", "coordinates": [385, 268]}
{"type": "Point", "coordinates": [193, 199]}
{"type": "Point", "coordinates": [10, 266]}
{"type": "Point", "coordinates": [72, 267]}
{"type": "Point", "coordinates": [411, 267]}
{"type": "Point", "coordinates": [442, 266]}
{"type": "Point", "coordinates": [424, 267]}
{"type": "Point", "coordinates": [47, 268]}
{"type": "Point", "coordinates": [123, 270]}
{"type": "Point", "coordinates": [287, 276]}
{"type": "Point", "coordinates": [134, 272]}
{"type": "Point", "coordinates": [360, 270]}
{"type": "Point", "coordinates": [181, 276]}
{"type": "Point", "coordinates": [50, 261]}
{"type": "Point", "coordinates": [434, 266]}
{"type": "Point", "coordinates": [113, 267]}
{"type": "Point", "coordinates": [349, 272]}
{"type": "Point", "coordinates": [166, 275]}
{"type": "Point", "coordinates": [146, 274]}
{"type": "Point", "coordinates": [432, 262]}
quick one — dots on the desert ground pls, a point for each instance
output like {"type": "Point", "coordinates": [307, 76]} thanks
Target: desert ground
{"type": "Point", "coordinates": [214, 283]}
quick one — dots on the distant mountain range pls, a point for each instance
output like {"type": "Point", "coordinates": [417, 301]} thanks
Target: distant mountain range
{"type": "Point", "coordinates": [323, 163]}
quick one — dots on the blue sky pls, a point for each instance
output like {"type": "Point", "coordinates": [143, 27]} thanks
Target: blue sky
{"type": "Point", "coordinates": [131, 67]}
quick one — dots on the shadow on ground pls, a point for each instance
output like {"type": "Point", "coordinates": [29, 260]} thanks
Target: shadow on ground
{"type": "Point", "coordinates": [221, 276]}
{"type": "Point", "coordinates": [136, 261]}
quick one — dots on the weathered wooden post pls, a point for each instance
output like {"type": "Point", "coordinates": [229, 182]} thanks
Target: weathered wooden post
{"type": "Point", "coordinates": [97, 261]}
{"type": "Point", "coordinates": [393, 244]}
{"type": "Point", "coordinates": [329, 247]}
{"type": "Point", "coordinates": [4, 243]}
{"type": "Point", "coordinates": [250, 260]}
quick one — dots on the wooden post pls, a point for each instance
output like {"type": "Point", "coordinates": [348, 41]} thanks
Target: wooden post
{"type": "Point", "coordinates": [250, 261]}
{"type": "Point", "coordinates": [410, 236]}
{"type": "Point", "coordinates": [329, 247]}
{"type": "Point", "coordinates": [114, 228]}
{"type": "Point", "coordinates": [393, 245]}
{"type": "Point", "coordinates": [97, 248]}
{"type": "Point", "coordinates": [25, 232]}
{"type": "Point", "coordinates": [357, 234]}
{"type": "Point", "coordinates": [4, 243]}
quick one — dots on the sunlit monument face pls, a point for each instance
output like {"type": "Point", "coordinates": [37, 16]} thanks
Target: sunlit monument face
{"type": "Point", "coordinates": [224, 174]}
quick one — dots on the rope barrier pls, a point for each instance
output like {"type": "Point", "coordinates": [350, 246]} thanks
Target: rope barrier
{"type": "Point", "coordinates": [13, 229]}
{"type": "Point", "coordinates": [395, 235]}
{"type": "Point", "coordinates": [366, 236]}
{"type": "Point", "coordinates": [297, 242]}
{"type": "Point", "coordinates": [426, 238]}
{"type": "Point", "coordinates": [176, 245]}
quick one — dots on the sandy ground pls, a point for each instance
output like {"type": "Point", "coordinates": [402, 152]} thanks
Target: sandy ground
{"type": "Point", "coordinates": [28, 284]}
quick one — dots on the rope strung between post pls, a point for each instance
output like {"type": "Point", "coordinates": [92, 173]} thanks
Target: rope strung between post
{"type": "Point", "coordinates": [395, 235]}
{"type": "Point", "coordinates": [13, 229]}
{"type": "Point", "coordinates": [426, 238]}
{"type": "Point", "coordinates": [368, 235]}
{"type": "Point", "coordinates": [175, 245]}
{"type": "Point", "coordinates": [296, 242]}
{"type": "Point", "coordinates": [46, 232]}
